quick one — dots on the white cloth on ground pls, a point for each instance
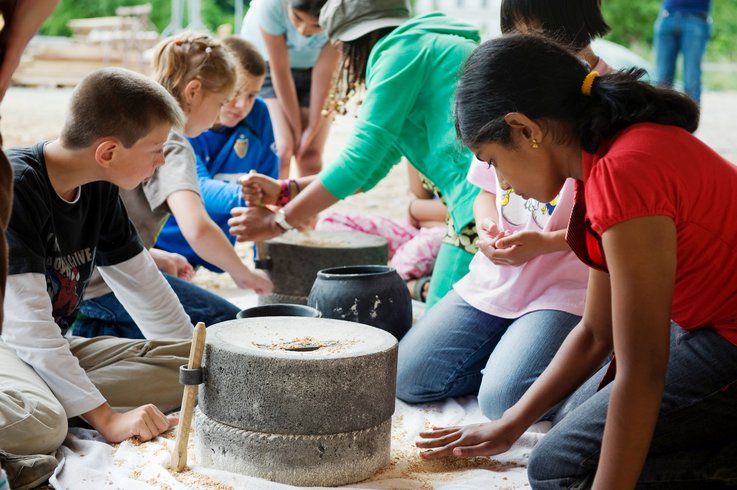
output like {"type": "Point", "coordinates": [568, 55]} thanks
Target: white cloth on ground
{"type": "Point", "coordinates": [88, 462]}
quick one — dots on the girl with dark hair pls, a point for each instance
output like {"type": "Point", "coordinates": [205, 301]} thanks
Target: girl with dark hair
{"type": "Point", "coordinates": [410, 68]}
{"type": "Point", "coordinates": [300, 68]}
{"type": "Point", "coordinates": [644, 222]}
{"type": "Point", "coordinates": [573, 23]}
{"type": "Point", "coordinates": [525, 289]}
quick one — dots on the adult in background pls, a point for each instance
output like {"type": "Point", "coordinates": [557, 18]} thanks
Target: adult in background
{"type": "Point", "coordinates": [683, 26]}
{"type": "Point", "coordinates": [409, 68]}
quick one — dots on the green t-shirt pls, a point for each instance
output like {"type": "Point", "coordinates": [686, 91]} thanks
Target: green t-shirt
{"type": "Point", "coordinates": [407, 111]}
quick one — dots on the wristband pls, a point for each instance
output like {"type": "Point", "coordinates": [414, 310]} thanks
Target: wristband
{"type": "Point", "coordinates": [284, 195]}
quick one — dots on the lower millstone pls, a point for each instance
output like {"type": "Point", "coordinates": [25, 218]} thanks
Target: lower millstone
{"type": "Point", "coordinates": [304, 460]}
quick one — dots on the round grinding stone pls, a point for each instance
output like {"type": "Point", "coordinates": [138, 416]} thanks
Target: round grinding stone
{"type": "Point", "coordinates": [304, 460]}
{"type": "Point", "coordinates": [275, 298]}
{"type": "Point", "coordinates": [254, 381]}
{"type": "Point", "coordinates": [296, 257]}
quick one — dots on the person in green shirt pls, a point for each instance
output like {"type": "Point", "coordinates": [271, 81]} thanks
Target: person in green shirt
{"type": "Point", "coordinates": [406, 71]}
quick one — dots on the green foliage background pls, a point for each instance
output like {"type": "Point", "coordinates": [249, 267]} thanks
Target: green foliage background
{"type": "Point", "coordinates": [214, 13]}
{"type": "Point", "coordinates": [631, 20]}
{"type": "Point", "coordinates": [632, 26]}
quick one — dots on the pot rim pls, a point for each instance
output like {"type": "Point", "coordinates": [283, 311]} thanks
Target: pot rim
{"type": "Point", "coordinates": [355, 271]}
{"type": "Point", "coordinates": [271, 310]}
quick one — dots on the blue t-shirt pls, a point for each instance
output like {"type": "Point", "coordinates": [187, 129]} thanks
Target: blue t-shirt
{"type": "Point", "coordinates": [272, 16]}
{"type": "Point", "coordinates": [696, 6]}
{"type": "Point", "coordinates": [223, 156]}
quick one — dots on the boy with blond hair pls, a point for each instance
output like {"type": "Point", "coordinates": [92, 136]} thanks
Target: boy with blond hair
{"type": "Point", "coordinates": [68, 219]}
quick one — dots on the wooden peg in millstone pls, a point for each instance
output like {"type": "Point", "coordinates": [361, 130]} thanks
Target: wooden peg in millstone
{"type": "Point", "coordinates": [179, 453]}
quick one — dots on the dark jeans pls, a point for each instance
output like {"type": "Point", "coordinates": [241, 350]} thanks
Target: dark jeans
{"type": "Point", "coordinates": [105, 315]}
{"type": "Point", "coordinates": [695, 440]}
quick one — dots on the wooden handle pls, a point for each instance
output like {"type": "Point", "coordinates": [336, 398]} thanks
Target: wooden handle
{"type": "Point", "coordinates": [179, 453]}
{"type": "Point", "coordinates": [260, 250]}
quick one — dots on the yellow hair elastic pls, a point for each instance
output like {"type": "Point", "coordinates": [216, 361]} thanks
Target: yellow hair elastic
{"type": "Point", "coordinates": [588, 82]}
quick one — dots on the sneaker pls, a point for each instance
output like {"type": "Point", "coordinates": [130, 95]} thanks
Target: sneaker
{"type": "Point", "coordinates": [27, 471]}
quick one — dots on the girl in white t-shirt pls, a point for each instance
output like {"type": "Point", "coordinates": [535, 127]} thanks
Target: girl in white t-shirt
{"type": "Point", "coordinates": [504, 321]}
{"type": "Point", "coordinates": [301, 63]}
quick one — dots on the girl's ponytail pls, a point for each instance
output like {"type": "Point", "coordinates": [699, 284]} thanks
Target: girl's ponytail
{"type": "Point", "coordinates": [621, 99]}
{"type": "Point", "coordinates": [543, 80]}
{"type": "Point", "coordinates": [189, 56]}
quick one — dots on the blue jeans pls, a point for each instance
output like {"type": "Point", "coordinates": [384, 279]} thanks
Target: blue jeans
{"type": "Point", "coordinates": [695, 440]}
{"type": "Point", "coordinates": [105, 315]}
{"type": "Point", "coordinates": [455, 350]}
{"type": "Point", "coordinates": [687, 33]}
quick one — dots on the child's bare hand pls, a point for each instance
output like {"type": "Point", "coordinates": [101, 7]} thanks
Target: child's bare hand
{"type": "Point", "coordinates": [484, 439]}
{"type": "Point", "coordinates": [173, 264]}
{"type": "Point", "coordinates": [259, 189]}
{"type": "Point", "coordinates": [144, 422]}
{"type": "Point", "coordinates": [489, 235]}
{"type": "Point", "coordinates": [183, 268]}
{"type": "Point", "coordinates": [260, 283]}
{"type": "Point", "coordinates": [518, 248]}
{"type": "Point", "coordinates": [253, 224]}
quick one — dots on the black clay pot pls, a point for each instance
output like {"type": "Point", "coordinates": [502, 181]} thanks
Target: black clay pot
{"type": "Point", "coordinates": [371, 294]}
{"type": "Point", "coordinates": [278, 309]}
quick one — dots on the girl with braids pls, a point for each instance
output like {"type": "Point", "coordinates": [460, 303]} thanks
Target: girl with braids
{"type": "Point", "coordinates": [662, 411]}
{"type": "Point", "coordinates": [409, 70]}
{"type": "Point", "coordinates": [200, 72]}
{"type": "Point", "coordinates": [300, 67]}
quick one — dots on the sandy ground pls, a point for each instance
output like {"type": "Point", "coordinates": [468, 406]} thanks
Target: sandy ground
{"type": "Point", "coordinates": [34, 114]}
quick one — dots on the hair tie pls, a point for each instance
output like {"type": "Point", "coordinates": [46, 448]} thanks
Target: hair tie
{"type": "Point", "coordinates": [588, 82]}
{"type": "Point", "coordinates": [208, 50]}
{"type": "Point", "coordinates": [178, 41]}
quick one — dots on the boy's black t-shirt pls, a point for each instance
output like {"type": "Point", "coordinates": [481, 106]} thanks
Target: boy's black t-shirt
{"type": "Point", "coordinates": [64, 240]}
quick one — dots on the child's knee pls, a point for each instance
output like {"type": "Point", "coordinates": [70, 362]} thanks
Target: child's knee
{"type": "Point", "coordinates": [310, 162]}
{"type": "Point", "coordinates": [408, 377]}
{"type": "Point", "coordinates": [413, 384]}
{"type": "Point", "coordinates": [32, 425]}
{"type": "Point", "coordinates": [496, 398]}
{"type": "Point", "coordinates": [284, 148]}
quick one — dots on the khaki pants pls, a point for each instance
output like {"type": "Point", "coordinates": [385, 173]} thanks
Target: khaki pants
{"type": "Point", "coordinates": [128, 373]}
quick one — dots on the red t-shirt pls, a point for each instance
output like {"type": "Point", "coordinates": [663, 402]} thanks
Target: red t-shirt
{"type": "Point", "coordinates": [656, 170]}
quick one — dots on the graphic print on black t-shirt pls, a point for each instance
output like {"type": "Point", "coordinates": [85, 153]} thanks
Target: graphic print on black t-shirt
{"type": "Point", "coordinates": [66, 280]}
{"type": "Point", "coordinates": [64, 240]}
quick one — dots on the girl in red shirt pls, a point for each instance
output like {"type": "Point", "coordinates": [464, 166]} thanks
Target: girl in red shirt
{"type": "Point", "coordinates": [649, 220]}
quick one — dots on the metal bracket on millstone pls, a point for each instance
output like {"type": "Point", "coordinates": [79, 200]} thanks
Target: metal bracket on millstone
{"type": "Point", "coordinates": [194, 376]}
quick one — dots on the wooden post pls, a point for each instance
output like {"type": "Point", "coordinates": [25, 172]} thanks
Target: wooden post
{"type": "Point", "coordinates": [179, 453]}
